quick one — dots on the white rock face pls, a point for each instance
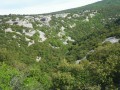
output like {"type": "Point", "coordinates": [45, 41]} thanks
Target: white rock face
{"type": "Point", "coordinates": [42, 36]}
{"type": "Point", "coordinates": [8, 30]}
{"type": "Point", "coordinates": [30, 18]}
{"type": "Point", "coordinates": [10, 22]}
{"type": "Point", "coordinates": [70, 39]}
{"type": "Point", "coordinates": [65, 43]}
{"type": "Point", "coordinates": [61, 21]}
{"type": "Point", "coordinates": [24, 23]}
{"type": "Point", "coordinates": [37, 19]}
{"type": "Point", "coordinates": [47, 19]}
{"type": "Point", "coordinates": [14, 37]}
{"type": "Point", "coordinates": [18, 45]}
{"type": "Point", "coordinates": [23, 30]}
{"type": "Point", "coordinates": [30, 33]}
{"type": "Point", "coordinates": [69, 17]}
{"type": "Point", "coordinates": [78, 61]}
{"type": "Point", "coordinates": [76, 15]}
{"type": "Point", "coordinates": [62, 32]}
{"type": "Point", "coordinates": [40, 25]}
{"type": "Point", "coordinates": [38, 59]}
{"type": "Point", "coordinates": [86, 11]}
{"type": "Point", "coordinates": [84, 58]}
{"type": "Point", "coordinates": [31, 43]}
{"type": "Point", "coordinates": [72, 26]}
{"type": "Point", "coordinates": [27, 39]}
{"type": "Point", "coordinates": [62, 28]}
{"type": "Point", "coordinates": [87, 19]}
{"type": "Point", "coordinates": [18, 33]}
{"type": "Point", "coordinates": [27, 16]}
{"type": "Point", "coordinates": [54, 47]}
{"type": "Point", "coordinates": [63, 15]}
{"type": "Point", "coordinates": [28, 25]}
{"type": "Point", "coordinates": [92, 15]}
{"type": "Point", "coordinates": [111, 39]}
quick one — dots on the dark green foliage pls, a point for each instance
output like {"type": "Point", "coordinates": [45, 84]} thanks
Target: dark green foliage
{"type": "Point", "coordinates": [56, 69]}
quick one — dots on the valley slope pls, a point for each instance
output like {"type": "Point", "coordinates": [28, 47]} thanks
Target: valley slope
{"type": "Point", "coordinates": [75, 49]}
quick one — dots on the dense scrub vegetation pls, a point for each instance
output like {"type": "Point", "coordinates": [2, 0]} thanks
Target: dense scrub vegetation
{"type": "Point", "coordinates": [74, 54]}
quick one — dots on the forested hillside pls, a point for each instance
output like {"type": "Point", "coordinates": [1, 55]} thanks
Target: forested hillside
{"type": "Point", "coordinates": [76, 49]}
